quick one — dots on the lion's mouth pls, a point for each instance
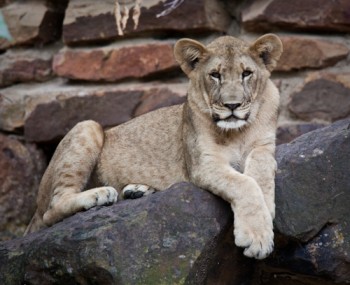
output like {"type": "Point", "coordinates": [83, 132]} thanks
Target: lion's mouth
{"type": "Point", "coordinates": [231, 122]}
{"type": "Point", "coordinates": [230, 118]}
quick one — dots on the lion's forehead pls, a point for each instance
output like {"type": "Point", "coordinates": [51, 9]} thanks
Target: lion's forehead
{"type": "Point", "coordinates": [232, 63]}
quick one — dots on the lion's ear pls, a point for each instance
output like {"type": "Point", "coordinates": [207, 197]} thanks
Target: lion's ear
{"type": "Point", "coordinates": [269, 49]}
{"type": "Point", "coordinates": [188, 53]}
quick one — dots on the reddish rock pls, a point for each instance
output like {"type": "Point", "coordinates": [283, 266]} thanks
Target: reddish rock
{"type": "Point", "coordinates": [305, 15]}
{"type": "Point", "coordinates": [25, 66]}
{"type": "Point", "coordinates": [31, 22]}
{"type": "Point", "coordinates": [112, 64]}
{"type": "Point", "coordinates": [21, 168]}
{"type": "Point", "coordinates": [94, 21]}
{"type": "Point", "coordinates": [324, 96]}
{"type": "Point", "coordinates": [315, 53]}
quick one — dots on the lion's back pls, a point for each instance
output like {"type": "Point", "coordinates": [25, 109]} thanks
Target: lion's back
{"type": "Point", "coordinates": [147, 150]}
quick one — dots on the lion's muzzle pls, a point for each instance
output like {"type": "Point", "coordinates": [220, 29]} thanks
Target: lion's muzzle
{"type": "Point", "coordinates": [231, 115]}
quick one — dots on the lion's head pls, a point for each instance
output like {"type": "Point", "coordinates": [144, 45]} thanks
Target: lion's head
{"type": "Point", "coordinates": [229, 75]}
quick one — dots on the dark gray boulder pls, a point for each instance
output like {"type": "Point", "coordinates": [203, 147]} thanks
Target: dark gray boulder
{"type": "Point", "coordinates": [172, 237]}
{"type": "Point", "coordinates": [313, 204]}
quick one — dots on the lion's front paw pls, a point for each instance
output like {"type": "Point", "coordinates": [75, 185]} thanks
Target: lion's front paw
{"type": "Point", "coordinates": [255, 235]}
{"type": "Point", "coordinates": [98, 197]}
{"type": "Point", "coordinates": [135, 191]}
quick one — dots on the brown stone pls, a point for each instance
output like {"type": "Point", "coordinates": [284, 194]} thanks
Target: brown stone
{"type": "Point", "coordinates": [112, 64]}
{"type": "Point", "coordinates": [21, 168]}
{"type": "Point", "coordinates": [94, 21]}
{"type": "Point", "coordinates": [31, 22]}
{"type": "Point", "coordinates": [157, 98]}
{"type": "Point", "coordinates": [305, 15]}
{"type": "Point", "coordinates": [48, 110]}
{"type": "Point", "coordinates": [19, 101]}
{"type": "Point", "coordinates": [301, 52]}
{"type": "Point", "coordinates": [287, 133]}
{"type": "Point", "coordinates": [25, 66]}
{"type": "Point", "coordinates": [50, 121]}
{"type": "Point", "coordinates": [324, 96]}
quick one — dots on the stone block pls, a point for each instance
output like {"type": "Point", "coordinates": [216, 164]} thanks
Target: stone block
{"type": "Point", "coordinates": [303, 52]}
{"type": "Point", "coordinates": [89, 21]}
{"type": "Point", "coordinates": [25, 66]}
{"type": "Point", "coordinates": [287, 133]}
{"type": "Point", "coordinates": [300, 15]}
{"type": "Point", "coordinates": [31, 22]}
{"type": "Point", "coordinates": [49, 110]}
{"type": "Point", "coordinates": [324, 96]}
{"type": "Point", "coordinates": [115, 63]}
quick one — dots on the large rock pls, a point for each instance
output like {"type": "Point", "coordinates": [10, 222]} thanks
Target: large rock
{"type": "Point", "coordinates": [305, 15]}
{"type": "Point", "coordinates": [21, 168]}
{"type": "Point", "coordinates": [324, 96]}
{"type": "Point", "coordinates": [94, 21]}
{"type": "Point", "coordinates": [312, 198]}
{"type": "Point", "coordinates": [315, 53]}
{"type": "Point", "coordinates": [173, 237]}
{"type": "Point", "coordinates": [115, 63]}
{"type": "Point", "coordinates": [32, 22]}
{"type": "Point", "coordinates": [25, 66]}
{"type": "Point", "coordinates": [48, 111]}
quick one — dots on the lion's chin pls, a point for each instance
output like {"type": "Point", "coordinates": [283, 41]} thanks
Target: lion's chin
{"type": "Point", "coordinates": [232, 123]}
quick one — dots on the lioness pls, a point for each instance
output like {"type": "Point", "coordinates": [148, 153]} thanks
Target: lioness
{"type": "Point", "coordinates": [221, 139]}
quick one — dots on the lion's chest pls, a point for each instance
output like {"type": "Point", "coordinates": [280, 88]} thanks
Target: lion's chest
{"type": "Point", "coordinates": [236, 154]}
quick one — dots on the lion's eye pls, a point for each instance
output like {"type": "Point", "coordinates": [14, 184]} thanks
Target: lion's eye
{"type": "Point", "coordinates": [215, 75]}
{"type": "Point", "coordinates": [246, 73]}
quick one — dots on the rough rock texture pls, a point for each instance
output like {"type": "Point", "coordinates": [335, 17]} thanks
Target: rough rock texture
{"type": "Point", "coordinates": [29, 106]}
{"type": "Point", "coordinates": [94, 21]}
{"type": "Point", "coordinates": [173, 237]}
{"type": "Point", "coordinates": [21, 168]}
{"type": "Point", "coordinates": [108, 108]}
{"type": "Point", "coordinates": [287, 133]}
{"type": "Point", "coordinates": [312, 198]}
{"type": "Point", "coordinates": [32, 22]}
{"type": "Point", "coordinates": [315, 53]}
{"type": "Point", "coordinates": [324, 96]}
{"type": "Point", "coordinates": [25, 66]}
{"type": "Point", "coordinates": [112, 64]}
{"type": "Point", "coordinates": [310, 15]}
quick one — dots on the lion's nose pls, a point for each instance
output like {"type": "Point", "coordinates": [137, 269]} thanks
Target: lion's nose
{"type": "Point", "coordinates": [232, 107]}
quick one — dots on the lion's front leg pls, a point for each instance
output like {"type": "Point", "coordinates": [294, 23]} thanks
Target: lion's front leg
{"type": "Point", "coordinates": [253, 227]}
{"type": "Point", "coordinates": [261, 166]}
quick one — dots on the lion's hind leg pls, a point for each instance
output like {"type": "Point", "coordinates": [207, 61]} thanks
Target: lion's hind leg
{"type": "Point", "coordinates": [135, 191]}
{"type": "Point", "coordinates": [70, 169]}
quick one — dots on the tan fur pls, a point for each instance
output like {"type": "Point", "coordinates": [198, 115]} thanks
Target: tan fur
{"type": "Point", "coordinates": [221, 139]}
